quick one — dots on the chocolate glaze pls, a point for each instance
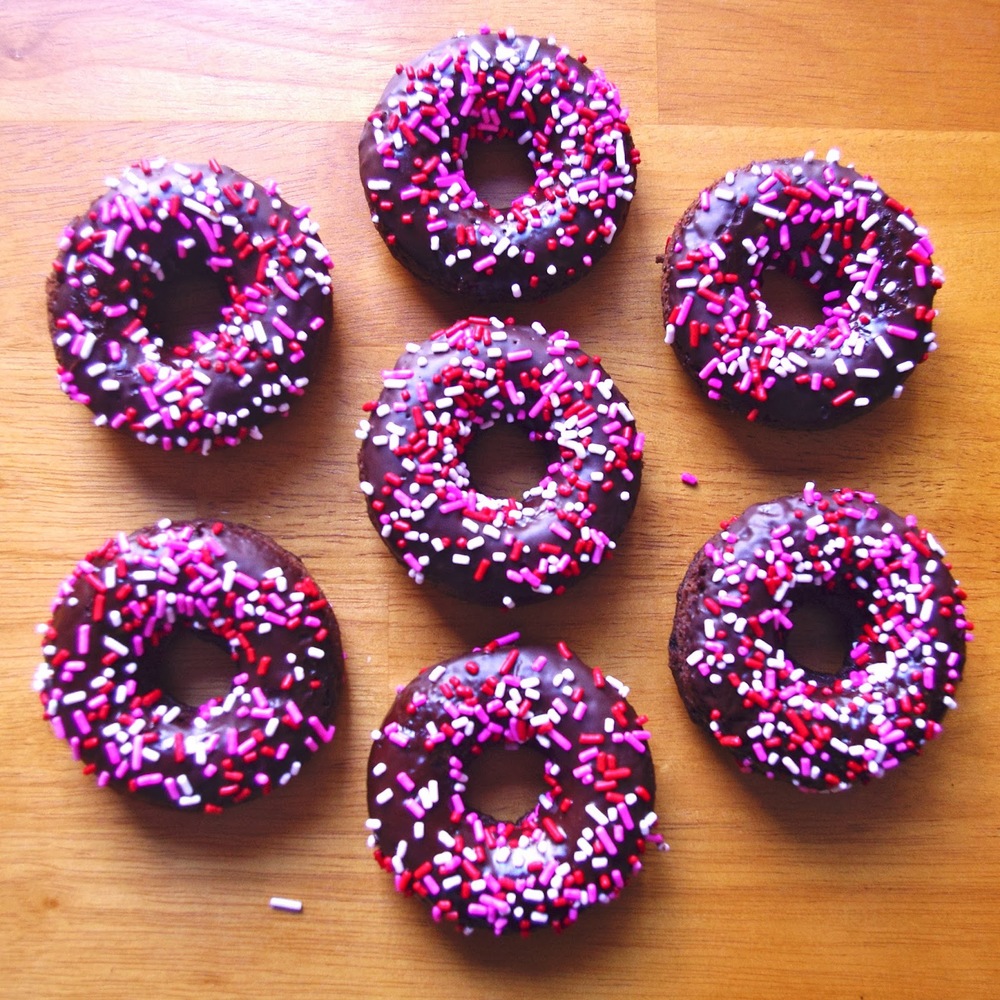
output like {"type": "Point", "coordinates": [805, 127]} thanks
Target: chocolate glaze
{"type": "Point", "coordinates": [860, 252]}
{"type": "Point", "coordinates": [111, 623]}
{"type": "Point", "coordinates": [481, 88]}
{"type": "Point", "coordinates": [457, 384]}
{"type": "Point", "coordinates": [156, 223]}
{"type": "Point", "coordinates": [883, 574]}
{"type": "Point", "coordinates": [576, 847]}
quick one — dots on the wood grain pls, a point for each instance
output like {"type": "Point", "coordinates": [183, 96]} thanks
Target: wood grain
{"type": "Point", "coordinates": [886, 892]}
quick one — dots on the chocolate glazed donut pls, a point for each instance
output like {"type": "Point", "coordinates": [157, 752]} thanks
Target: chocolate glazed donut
{"type": "Point", "coordinates": [859, 252]}
{"type": "Point", "coordinates": [483, 88]}
{"type": "Point", "coordinates": [883, 575]}
{"type": "Point", "coordinates": [499, 551]}
{"type": "Point", "coordinates": [580, 843]}
{"type": "Point", "coordinates": [101, 683]}
{"type": "Point", "coordinates": [216, 386]}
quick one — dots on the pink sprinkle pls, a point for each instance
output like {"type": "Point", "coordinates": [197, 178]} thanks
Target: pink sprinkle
{"type": "Point", "coordinates": [209, 233]}
{"type": "Point", "coordinates": [689, 478]}
{"type": "Point", "coordinates": [557, 737]}
{"type": "Point", "coordinates": [286, 288]}
{"type": "Point", "coordinates": [506, 640]}
{"type": "Point", "coordinates": [325, 733]}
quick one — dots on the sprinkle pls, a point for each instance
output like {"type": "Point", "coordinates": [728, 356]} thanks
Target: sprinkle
{"type": "Point", "coordinates": [286, 904]}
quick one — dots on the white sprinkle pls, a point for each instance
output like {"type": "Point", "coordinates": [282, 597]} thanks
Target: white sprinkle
{"type": "Point", "coordinates": [283, 903]}
{"type": "Point", "coordinates": [762, 209]}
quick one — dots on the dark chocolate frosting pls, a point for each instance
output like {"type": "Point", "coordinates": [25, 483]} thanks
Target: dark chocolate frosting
{"type": "Point", "coordinates": [483, 88]}
{"type": "Point", "coordinates": [576, 847]}
{"type": "Point", "coordinates": [889, 581]}
{"type": "Point", "coordinates": [217, 386]}
{"type": "Point", "coordinates": [456, 385]}
{"type": "Point", "coordinates": [835, 230]}
{"type": "Point", "coordinates": [112, 619]}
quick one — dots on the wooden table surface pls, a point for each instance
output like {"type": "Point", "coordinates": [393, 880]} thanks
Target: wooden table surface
{"type": "Point", "coordinates": [890, 891]}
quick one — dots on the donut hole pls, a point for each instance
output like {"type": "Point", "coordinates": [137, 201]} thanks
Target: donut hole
{"type": "Point", "coordinates": [187, 303]}
{"type": "Point", "coordinates": [195, 668]}
{"type": "Point", "coordinates": [504, 462]}
{"type": "Point", "coordinates": [820, 638]}
{"type": "Point", "coordinates": [790, 301]}
{"type": "Point", "coordinates": [499, 171]}
{"type": "Point", "coordinates": [505, 780]}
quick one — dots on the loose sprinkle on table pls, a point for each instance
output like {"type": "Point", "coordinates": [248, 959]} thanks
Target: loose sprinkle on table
{"type": "Point", "coordinates": [286, 904]}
